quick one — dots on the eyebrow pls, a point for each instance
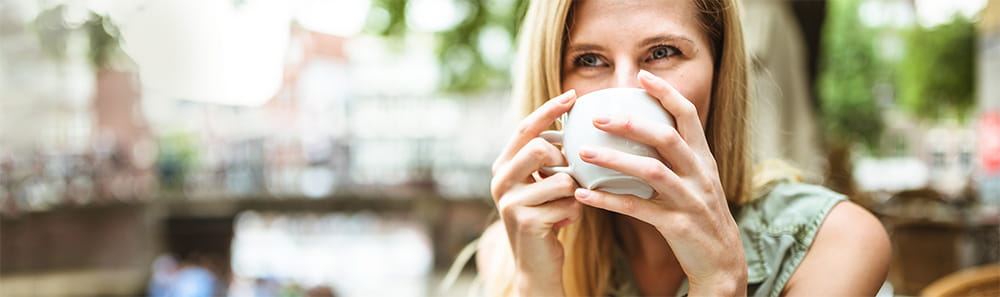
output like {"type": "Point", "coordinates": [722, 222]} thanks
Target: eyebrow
{"type": "Point", "coordinates": [586, 47]}
{"type": "Point", "coordinates": [664, 38]}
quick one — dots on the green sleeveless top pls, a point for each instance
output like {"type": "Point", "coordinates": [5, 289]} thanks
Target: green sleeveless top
{"type": "Point", "coordinates": [777, 230]}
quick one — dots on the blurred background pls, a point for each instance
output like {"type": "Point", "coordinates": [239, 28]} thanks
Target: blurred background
{"type": "Point", "coordinates": [343, 147]}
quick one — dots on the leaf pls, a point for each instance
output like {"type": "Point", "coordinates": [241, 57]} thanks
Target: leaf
{"type": "Point", "coordinates": [936, 76]}
{"type": "Point", "coordinates": [848, 76]}
{"type": "Point", "coordinates": [463, 65]}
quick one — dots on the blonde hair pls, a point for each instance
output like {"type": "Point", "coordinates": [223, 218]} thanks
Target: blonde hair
{"type": "Point", "coordinates": [587, 263]}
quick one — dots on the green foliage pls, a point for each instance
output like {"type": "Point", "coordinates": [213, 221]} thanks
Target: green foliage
{"type": "Point", "coordinates": [936, 75]}
{"type": "Point", "coordinates": [52, 31]}
{"type": "Point", "coordinates": [396, 25]}
{"type": "Point", "coordinates": [105, 40]}
{"type": "Point", "coordinates": [464, 67]}
{"type": "Point", "coordinates": [53, 34]}
{"type": "Point", "coordinates": [177, 153]}
{"type": "Point", "coordinates": [848, 75]}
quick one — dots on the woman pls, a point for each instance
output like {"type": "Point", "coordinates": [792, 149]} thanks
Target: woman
{"type": "Point", "coordinates": [704, 234]}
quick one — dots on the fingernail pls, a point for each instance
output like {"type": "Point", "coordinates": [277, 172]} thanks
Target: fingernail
{"type": "Point", "coordinates": [643, 74]}
{"type": "Point", "coordinates": [582, 193]}
{"type": "Point", "coordinates": [587, 153]}
{"type": "Point", "coordinates": [602, 120]}
{"type": "Point", "coordinates": [568, 96]}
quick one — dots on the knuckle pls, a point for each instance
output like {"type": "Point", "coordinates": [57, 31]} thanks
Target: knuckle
{"type": "Point", "coordinates": [506, 209]}
{"type": "Point", "coordinates": [529, 221]}
{"type": "Point", "coordinates": [569, 188]}
{"type": "Point", "coordinates": [671, 138]}
{"type": "Point", "coordinates": [524, 130]}
{"type": "Point", "coordinates": [687, 108]}
{"type": "Point", "coordinates": [628, 124]}
{"type": "Point", "coordinates": [654, 172]}
{"type": "Point", "coordinates": [628, 205]}
{"type": "Point", "coordinates": [536, 154]}
{"type": "Point", "coordinates": [702, 208]}
{"type": "Point", "coordinates": [708, 186]}
{"type": "Point", "coordinates": [536, 149]}
{"type": "Point", "coordinates": [566, 181]}
{"type": "Point", "coordinates": [683, 229]}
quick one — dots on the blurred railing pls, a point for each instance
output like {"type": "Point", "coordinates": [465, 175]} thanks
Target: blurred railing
{"type": "Point", "coordinates": [389, 147]}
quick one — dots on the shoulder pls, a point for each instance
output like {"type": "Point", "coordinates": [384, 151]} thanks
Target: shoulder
{"type": "Point", "coordinates": [789, 208]}
{"type": "Point", "coordinates": [796, 234]}
{"type": "Point", "coordinates": [850, 255]}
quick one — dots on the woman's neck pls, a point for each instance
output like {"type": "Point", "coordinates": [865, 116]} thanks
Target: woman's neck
{"type": "Point", "coordinates": [653, 263]}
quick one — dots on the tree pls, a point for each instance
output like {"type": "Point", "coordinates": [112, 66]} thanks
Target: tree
{"type": "Point", "coordinates": [936, 75]}
{"type": "Point", "coordinates": [464, 66]}
{"type": "Point", "coordinates": [849, 71]}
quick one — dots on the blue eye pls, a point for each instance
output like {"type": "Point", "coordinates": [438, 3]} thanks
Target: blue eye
{"type": "Point", "coordinates": [663, 51]}
{"type": "Point", "coordinates": [589, 60]}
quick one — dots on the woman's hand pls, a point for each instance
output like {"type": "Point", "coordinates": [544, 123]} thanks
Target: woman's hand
{"type": "Point", "coordinates": [689, 209]}
{"type": "Point", "coordinates": [533, 208]}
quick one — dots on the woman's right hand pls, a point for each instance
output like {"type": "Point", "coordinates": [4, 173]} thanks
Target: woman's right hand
{"type": "Point", "coordinates": [533, 208]}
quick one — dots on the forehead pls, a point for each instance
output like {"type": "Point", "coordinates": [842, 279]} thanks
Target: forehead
{"type": "Point", "coordinates": [623, 20]}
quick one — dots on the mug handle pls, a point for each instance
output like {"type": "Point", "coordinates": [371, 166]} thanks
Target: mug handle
{"type": "Point", "coordinates": [554, 137]}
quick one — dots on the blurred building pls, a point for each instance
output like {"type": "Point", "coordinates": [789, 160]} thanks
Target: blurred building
{"type": "Point", "coordinates": [335, 164]}
{"type": "Point", "coordinates": [357, 134]}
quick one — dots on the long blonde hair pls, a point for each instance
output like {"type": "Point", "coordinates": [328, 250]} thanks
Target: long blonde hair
{"type": "Point", "coordinates": [587, 263]}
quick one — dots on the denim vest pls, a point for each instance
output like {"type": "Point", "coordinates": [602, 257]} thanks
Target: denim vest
{"type": "Point", "coordinates": [777, 230]}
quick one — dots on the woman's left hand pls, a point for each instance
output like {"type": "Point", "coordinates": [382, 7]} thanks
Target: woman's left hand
{"type": "Point", "coordinates": [689, 209]}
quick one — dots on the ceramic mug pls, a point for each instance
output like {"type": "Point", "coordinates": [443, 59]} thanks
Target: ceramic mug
{"type": "Point", "coordinates": [578, 131]}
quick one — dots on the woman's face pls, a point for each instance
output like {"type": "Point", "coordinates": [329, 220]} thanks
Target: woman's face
{"type": "Point", "coordinates": [611, 40]}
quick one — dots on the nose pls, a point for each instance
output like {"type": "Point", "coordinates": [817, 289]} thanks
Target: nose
{"type": "Point", "coordinates": [626, 75]}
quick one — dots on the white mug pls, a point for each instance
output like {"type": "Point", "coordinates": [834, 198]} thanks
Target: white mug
{"type": "Point", "coordinates": [578, 130]}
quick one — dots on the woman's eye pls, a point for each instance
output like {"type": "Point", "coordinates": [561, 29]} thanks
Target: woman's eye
{"type": "Point", "coordinates": [663, 51]}
{"type": "Point", "coordinates": [589, 60]}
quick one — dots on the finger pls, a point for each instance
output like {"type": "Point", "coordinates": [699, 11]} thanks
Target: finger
{"type": "Point", "coordinates": [529, 159]}
{"type": "Point", "coordinates": [685, 113]}
{"type": "Point", "coordinates": [536, 122]}
{"type": "Point", "coordinates": [559, 211]}
{"type": "Point", "coordinates": [650, 170]}
{"type": "Point", "coordinates": [541, 219]}
{"type": "Point", "coordinates": [629, 205]}
{"type": "Point", "coordinates": [552, 188]}
{"type": "Point", "coordinates": [664, 138]}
